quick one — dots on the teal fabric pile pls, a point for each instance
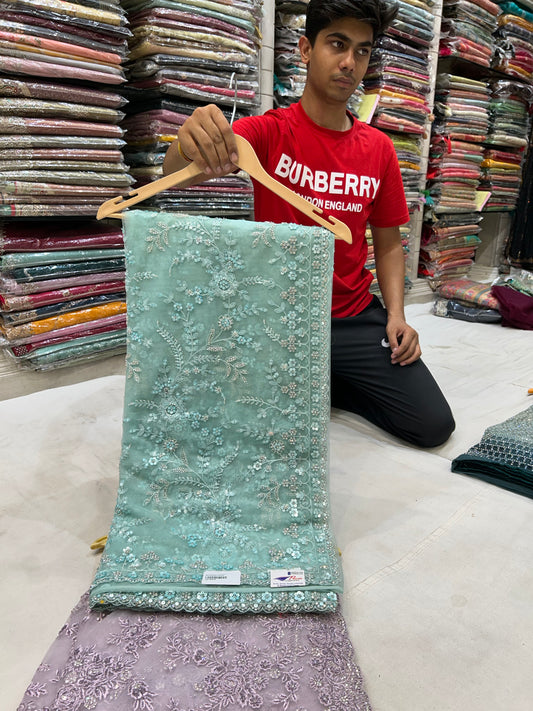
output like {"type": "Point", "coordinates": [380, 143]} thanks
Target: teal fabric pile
{"type": "Point", "coordinates": [223, 501]}
{"type": "Point", "coordinates": [504, 455]}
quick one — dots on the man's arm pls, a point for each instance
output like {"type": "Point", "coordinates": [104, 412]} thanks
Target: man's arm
{"type": "Point", "coordinates": [390, 272]}
{"type": "Point", "coordinates": [207, 139]}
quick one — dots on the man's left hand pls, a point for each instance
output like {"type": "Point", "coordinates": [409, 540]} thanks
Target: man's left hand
{"type": "Point", "coordinates": [403, 340]}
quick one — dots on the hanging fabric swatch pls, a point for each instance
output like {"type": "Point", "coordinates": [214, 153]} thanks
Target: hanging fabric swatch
{"type": "Point", "coordinates": [222, 503]}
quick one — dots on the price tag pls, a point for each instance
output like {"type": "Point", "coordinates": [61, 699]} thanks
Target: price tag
{"type": "Point", "coordinates": [221, 577]}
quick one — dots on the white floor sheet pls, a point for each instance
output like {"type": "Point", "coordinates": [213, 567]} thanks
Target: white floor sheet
{"type": "Point", "coordinates": [438, 566]}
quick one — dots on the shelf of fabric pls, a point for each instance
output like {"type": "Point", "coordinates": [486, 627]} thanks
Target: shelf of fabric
{"type": "Point", "coordinates": [401, 75]}
{"type": "Point", "coordinates": [62, 296]}
{"type": "Point", "coordinates": [60, 107]}
{"type": "Point", "coordinates": [182, 56]}
{"type": "Point", "coordinates": [62, 292]}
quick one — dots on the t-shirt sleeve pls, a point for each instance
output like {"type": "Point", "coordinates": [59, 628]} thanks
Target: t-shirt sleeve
{"type": "Point", "coordinates": [390, 206]}
{"type": "Point", "coordinates": [255, 130]}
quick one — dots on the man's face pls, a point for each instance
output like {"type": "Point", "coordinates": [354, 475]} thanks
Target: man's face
{"type": "Point", "coordinates": [338, 60]}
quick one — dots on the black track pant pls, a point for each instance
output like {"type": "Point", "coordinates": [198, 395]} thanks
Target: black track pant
{"type": "Point", "coordinates": [403, 400]}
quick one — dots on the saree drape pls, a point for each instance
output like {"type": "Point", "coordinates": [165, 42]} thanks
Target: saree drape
{"type": "Point", "coordinates": [223, 501]}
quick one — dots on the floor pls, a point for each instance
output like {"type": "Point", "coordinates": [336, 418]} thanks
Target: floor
{"type": "Point", "coordinates": [438, 566]}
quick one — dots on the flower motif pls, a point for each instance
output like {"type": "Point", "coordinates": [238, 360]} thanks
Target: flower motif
{"type": "Point", "coordinates": [223, 285]}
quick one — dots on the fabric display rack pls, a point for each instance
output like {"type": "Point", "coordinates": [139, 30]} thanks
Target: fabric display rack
{"type": "Point", "coordinates": [183, 55]}
{"type": "Point", "coordinates": [399, 78]}
{"type": "Point", "coordinates": [479, 141]}
{"type": "Point", "coordinates": [62, 295]}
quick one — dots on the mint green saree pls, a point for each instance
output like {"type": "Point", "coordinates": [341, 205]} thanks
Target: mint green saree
{"type": "Point", "coordinates": [223, 499]}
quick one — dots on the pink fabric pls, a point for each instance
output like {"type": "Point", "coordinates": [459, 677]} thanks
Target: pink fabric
{"type": "Point", "coordinates": [63, 47]}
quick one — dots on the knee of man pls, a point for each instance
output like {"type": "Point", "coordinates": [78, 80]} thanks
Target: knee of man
{"type": "Point", "coordinates": [437, 429]}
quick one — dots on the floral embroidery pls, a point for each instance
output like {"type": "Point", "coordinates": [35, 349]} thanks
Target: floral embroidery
{"type": "Point", "coordinates": [224, 460]}
{"type": "Point", "coordinates": [191, 662]}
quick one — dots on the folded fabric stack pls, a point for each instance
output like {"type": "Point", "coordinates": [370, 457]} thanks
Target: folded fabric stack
{"type": "Point", "coordinates": [289, 71]}
{"type": "Point", "coordinates": [451, 226]}
{"type": "Point", "coordinates": [398, 76]}
{"type": "Point", "coordinates": [461, 108]}
{"type": "Point", "coordinates": [62, 297]}
{"type": "Point", "coordinates": [515, 295]}
{"type": "Point", "coordinates": [59, 106]}
{"type": "Point", "coordinates": [183, 55]}
{"type": "Point", "coordinates": [513, 53]}
{"type": "Point", "coordinates": [467, 300]}
{"type": "Point", "coordinates": [448, 246]}
{"type": "Point", "coordinates": [508, 137]}
{"type": "Point", "coordinates": [405, 232]}
{"type": "Point", "coordinates": [398, 73]}
{"type": "Point", "coordinates": [467, 28]}
{"type": "Point", "coordinates": [503, 456]}
{"type": "Point", "coordinates": [454, 172]}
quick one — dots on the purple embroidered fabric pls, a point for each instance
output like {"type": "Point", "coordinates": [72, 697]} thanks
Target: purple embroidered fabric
{"type": "Point", "coordinates": [132, 661]}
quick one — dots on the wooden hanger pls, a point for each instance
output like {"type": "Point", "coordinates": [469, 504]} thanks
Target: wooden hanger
{"type": "Point", "coordinates": [249, 162]}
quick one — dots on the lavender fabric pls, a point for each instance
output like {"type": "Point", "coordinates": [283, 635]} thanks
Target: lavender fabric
{"type": "Point", "coordinates": [139, 661]}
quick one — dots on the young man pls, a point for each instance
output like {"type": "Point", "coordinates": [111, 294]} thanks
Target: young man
{"type": "Point", "coordinates": [321, 151]}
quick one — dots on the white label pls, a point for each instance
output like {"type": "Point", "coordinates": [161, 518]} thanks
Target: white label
{"type": "Point", "coordinates": [221, 577]}
{"type": "Point", "coordinates": [287, 578]}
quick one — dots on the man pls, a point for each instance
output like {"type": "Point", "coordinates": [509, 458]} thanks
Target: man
{"type": "Point", "coordinates": [321, 151]}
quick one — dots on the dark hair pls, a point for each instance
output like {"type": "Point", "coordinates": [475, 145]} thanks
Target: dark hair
{"type": "Point", "coordinates": [321, 13]}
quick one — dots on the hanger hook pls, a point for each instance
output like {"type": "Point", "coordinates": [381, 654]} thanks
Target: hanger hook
{"type": "Point", "coordinates": [233, 77]}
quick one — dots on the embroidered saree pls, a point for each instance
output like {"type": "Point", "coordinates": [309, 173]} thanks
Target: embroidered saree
{"type": "Point", "coordinates": [223, 498]}
{"type": "Point", "coordinates": [126, 659]}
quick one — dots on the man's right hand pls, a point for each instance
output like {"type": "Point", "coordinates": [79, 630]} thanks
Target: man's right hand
{"type": "Point", "coordinates": [207, 139]}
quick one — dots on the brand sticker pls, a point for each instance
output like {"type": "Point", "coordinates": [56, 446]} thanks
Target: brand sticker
{"type": "Point", "coordinates": [287, 578]}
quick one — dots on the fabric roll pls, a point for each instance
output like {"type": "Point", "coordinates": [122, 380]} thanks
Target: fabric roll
{"type": "Point", "coordinates": [222, 503]}
{"type": "Point", "coordinates": [124, 659]}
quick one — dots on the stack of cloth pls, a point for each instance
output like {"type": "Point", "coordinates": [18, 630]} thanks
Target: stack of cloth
{"type": "Point", "coordinates": [461, 108]}
{"type": "Point", "coordinates": [405, 233]}
{"type": "Point", "coordinates": [289, 71]}
{"type": "Point", "coordinates": [62, 293]}
{"type": "Point", "coordinates": [467, 30]}
{"type": "Point", "coordinates": [454, 172]}
{"type": "Point", "coordinates": [60, 142]}
{"type": "Point", "coordinates": [515, 295]}
{"type": "Point", "coordinates": [183, 55]}
{"type": "Point", "coordinates": [450, 225]}
{"type": "Point", "coordinates": [398, 76]}
{"type": "Point", "coordinates": [219, 582]}
{"type": "Point", "coordinates": [467, 300]}
{"type": "Point", "coordinates": [503, 456]}
{"type": "Point", "coordinates": [509, 114]}
{"type": "Point", "coordinates": [513, 53]}
{"type": "Point", "coordinates": [448, 246]}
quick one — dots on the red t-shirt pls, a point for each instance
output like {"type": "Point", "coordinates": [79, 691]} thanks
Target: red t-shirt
{"type": "Point", "coordinates": [353, 175]}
